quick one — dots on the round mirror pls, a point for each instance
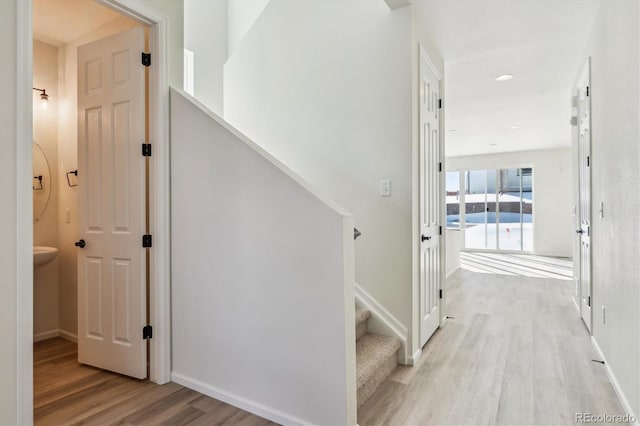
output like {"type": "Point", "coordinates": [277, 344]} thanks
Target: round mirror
{"type": "Point", "coordinates": [41, 182]}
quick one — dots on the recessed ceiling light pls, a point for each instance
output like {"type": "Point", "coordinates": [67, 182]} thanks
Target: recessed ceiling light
{"type": "Point", "coordinates": [504, 77]}
{"type": "Point", "coordinates": [452, 130]}
{"type": "Point", "coordinates": [514, 127]}
{"type": "Point", "coordinates": [493, 144]}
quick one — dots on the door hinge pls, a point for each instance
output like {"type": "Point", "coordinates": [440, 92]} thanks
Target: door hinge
{"type": "Point", "coordinates": [440, 166]}
{"type": "Point", "coordinates": [440, 293]}
{"type": "Point", "coordinates": [147, 332]}
{"type": "Point", "coordinates": [146, 150]}
{"type": "Point", "coordinates": [146, 59]}
{"type": "Point", "coordinates": [588, 161]}
{"type": "Point", "coordinates": [440, 230]}
{"type": "Point", "coordinates": [587, 90]}
{"type": "Point", "coordinates": [146, 241]}
{"type": "Point", "coordinates": [439, 103]}
{"type": "Point", "coordinates": [589, 301]}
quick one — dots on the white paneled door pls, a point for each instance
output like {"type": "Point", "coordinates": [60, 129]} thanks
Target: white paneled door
{"type": "Point", "coordinates": [430, 199]}
{"type": "Point", "coordinates": [111, 204]}
{"type": "Point", "coordinates": [584, 182]}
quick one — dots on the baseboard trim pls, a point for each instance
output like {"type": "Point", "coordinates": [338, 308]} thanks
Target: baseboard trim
{"type": "Point", "coordinates": [616, 385]}
{"type": "Point", "coordinates": [55, 333]}
{"type": "Point", "coordinates": [415, 357]}
{"type": "Point", "coordinates": [69, 336]}
{"type": "Point", "coordinates": [383, 322]}
{"type": "Point", "coordinates": [575, 303]}
{"type": "Point", "coordinates": [237, 401]}
{"type": "Point", "coordinates": [452, 271]}
{"type": "Point", "coordinates": [46, 335]}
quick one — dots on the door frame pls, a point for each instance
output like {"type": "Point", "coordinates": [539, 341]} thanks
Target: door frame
{"type": "Point", "coordinates": [159, 295]}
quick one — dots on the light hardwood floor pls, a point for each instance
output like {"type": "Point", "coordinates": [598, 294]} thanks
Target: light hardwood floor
{"type": "Point", "coordinates": [67, 393]}
{"type": "Point", "coordinates": [515, 353]}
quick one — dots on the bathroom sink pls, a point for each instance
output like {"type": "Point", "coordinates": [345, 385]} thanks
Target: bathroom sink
{"type": "Point", "coordinates": [43, 255]}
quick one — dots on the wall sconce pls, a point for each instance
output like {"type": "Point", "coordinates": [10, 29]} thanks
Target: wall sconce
{"type": "Point", "coordinates": [44, 98]}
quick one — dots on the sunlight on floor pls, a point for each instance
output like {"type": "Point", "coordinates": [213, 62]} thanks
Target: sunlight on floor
{"type": "Point", "coordinates": [517, 264]}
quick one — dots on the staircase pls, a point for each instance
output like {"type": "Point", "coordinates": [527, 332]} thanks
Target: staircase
{"type": "Point", "coordinates": [376, 357]}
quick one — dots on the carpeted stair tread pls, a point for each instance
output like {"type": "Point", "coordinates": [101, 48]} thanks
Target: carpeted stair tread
{"type": "Point", "coordinates": [372, 352]}
{"type": "Point", "coordinates": [362, 316]}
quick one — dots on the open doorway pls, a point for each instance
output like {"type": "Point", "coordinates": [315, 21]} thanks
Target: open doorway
{"type": "Point", "coordinates": [60, 29]}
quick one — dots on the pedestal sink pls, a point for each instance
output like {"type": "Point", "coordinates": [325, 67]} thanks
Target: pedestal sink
{"type": "Point", "coordinates": [43, 255]}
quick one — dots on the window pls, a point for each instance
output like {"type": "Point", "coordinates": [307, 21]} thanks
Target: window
{"type": "Point", "coordinates": [496, 206]}
{"type": "Point", "coordinates": [452, 189]}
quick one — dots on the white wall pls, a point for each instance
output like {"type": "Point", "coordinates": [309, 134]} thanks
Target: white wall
{"type": "Point", "coordinates": [454, 243]}
{"type": "Point", "coordinates": [262, 279]}
{"type": "Point", "coordinates": [45, 231]}
{"type": "Point", "coordinates": [68, 161]}
{"type": "Point", "coordinates": [325, 86]}
{"type": "Point", "coordinates": [614, 51]}
{"type": "Point", "coordinates": [242, 14]}
{"type": "Point", "coordinates": [8, 212]}
{"type": "Point", "coordinates": [205, 34]}
{"type": "Point", "coordinates": [552, 192]}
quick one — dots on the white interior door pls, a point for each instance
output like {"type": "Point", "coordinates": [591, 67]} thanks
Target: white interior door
{"type": "Point", "coordinates": [111, 204]}
{"type": "Point", "coordinates": [430, 195]}
{"type": "Point", "coordinates": [584, 231]}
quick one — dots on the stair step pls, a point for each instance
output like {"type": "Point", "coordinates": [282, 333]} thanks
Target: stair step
{"type": "Point", "coordinates": [376, 358]}
{"type": "Point", "coordinates": [362, 315]}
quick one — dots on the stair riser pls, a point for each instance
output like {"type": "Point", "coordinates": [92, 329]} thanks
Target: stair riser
{"type": "Point", "coordinates": [369, 387]}
{"type": "Point", "coordinates": [361, 329]}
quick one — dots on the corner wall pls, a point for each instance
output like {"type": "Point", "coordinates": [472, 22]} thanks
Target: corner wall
{"type": "Point", "coordinates": [552, 192]}
{"type": "Point", "coordinates": [615, 87]}
{"type": "Point", "coordinates": [325, 86]}
{"type": "Point", "coordinates": [242, 14]}
{"type": "Point", "coordinates": [205, 34]}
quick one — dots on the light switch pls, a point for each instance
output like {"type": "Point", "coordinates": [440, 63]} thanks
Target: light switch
{"type": "Point", "coordinates": [67, 216]}
{"type": "Point", "coordinates": [385, 188]}
{"type": "Point", "coordinates": [601, 210]}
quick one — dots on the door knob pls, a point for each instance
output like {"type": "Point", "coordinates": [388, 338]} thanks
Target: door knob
{"type": "Point", "coordinates": [80, 243]}
{"type": "Point", "coordinates": [425, 238]}
{"type": "Point", "coordinates": [579, 231]}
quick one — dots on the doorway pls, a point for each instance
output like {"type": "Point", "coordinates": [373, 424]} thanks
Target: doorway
{"type": "Point", "coordinates": [158, 170]}
{"type": "Point", "coordinates": [91, 123]}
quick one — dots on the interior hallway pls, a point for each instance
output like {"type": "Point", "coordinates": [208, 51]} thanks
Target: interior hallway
{"type": "Point", "coordinates": [514, 353]}
{"type": "Point", "coordinates": [66, 393]}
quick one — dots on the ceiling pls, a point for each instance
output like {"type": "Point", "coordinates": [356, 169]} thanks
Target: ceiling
{"type": "Point", "coordinates": [59, 22]}
{"type": "Point", "coordinates": [540, 42]}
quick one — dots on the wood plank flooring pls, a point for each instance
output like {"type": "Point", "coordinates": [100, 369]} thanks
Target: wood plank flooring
{"type": "Point", "coordinates": [515, 353]}
{"type": "Point", "coordinates": [68, 393]}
